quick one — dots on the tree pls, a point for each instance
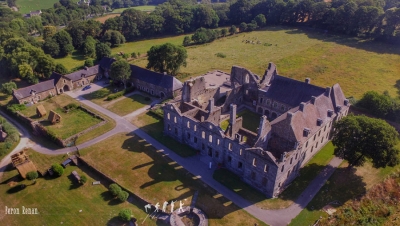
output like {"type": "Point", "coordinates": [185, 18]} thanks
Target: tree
{"type": "Point", "coordinates": [377, 104]}
{"type": "Point", "coordinates": [8, 87]}
{"type": "Point", "coordinates": [260, 19]}
{"type": "Point", "coordinates": [64, 41]}
{"type": "Point", "coordinates": [360, 138]}
{"type": "Point", "coordinates": [123, 196]}
{"type": "Point", "coordinates": [133, 55]}
{"type": "Point", "coordinates": [125, 214]}
{"type": "Point", "coordinates": [89, 47]}
{"type": "Point", "coordinates": [186, 41]}
{"type": "Point", "coordinates": [49, 31]}
{"type": "Point", "coordinates": [120, 71]}
{"type": "Point", "coordinates": [60, 68]}
{"type": "Point", "coordinates": [25, 70]}
{"type": "Point", "coordinates": [89, 62]}
{"type": "Point", "coordinates": [232, 30]}
{"type": "Point", "coordinates": [113, 37]}
{"type": "Point", "coordinates": [242, 27]}
{"type": "Point", "coordinates": [102, 50]}
{"type": "Point", "coordinates": [115, 189]}
{"type": "Point", "coordinates": [224, 32]}
{"type": "Point", "coordinates": [57, 169]}
{"type": "Point", "coordinates": [166, 58]}
{"type": "Point", "coordinates": [51, 47]}
{"type": "Point", "coordinates": [32, 175]}
{"type": "Point", "coordinates": [83, 179]}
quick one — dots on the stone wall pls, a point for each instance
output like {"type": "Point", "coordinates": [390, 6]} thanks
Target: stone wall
{"type": "Point", "coordinates": [38, 96]}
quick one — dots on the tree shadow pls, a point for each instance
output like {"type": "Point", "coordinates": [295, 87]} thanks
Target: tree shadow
{"type": "Point", "coordinates": [115, 221]}
{"type": "Point", "coordinates": [16, 188]}
{"type": "Point", "coordinates": [343, 185]}
{"type": "Point", "coordinates": [351, 41]}
{"type": "Point", "coordinates": [397, 86]}
{"type": "Point", "coordinates": [13, 179]}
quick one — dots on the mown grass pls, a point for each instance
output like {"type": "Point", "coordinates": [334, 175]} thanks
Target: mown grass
{"type": "Point", "coordinates": [24, 6]}
{"type": "Point", "coordinates": [307, 174]}
{"type": "Point", "coordinates": [153, 125]}
{"type": "Point", "coordinates": [102, 19]}
{"type": "Point", "coordinates": [251, 120]}
{"type": "Point", "coordinates": [153, 176]}
{"type": "Point", "coordinates": [147, 8]}
{"type": "Point", "coordinates": [129, 104]}
{"type": "Point", "coordinates": [357, 65]}
{"type": "Point", "coordinates": [344, 185]}
{"type": "Point", "coordinates": [72, 122]}
{"type": "Point", "coordinates": [61, 201]}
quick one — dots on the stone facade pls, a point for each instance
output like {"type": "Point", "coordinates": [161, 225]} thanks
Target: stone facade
{"type": "Point", "coordinates": [34, 93]}
{"type": "Point", "coordinates": [295, 123]}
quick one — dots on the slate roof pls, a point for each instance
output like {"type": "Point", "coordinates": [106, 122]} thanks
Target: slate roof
{"type": "Point", "coordinates": [38, 88]}
{"type": "Point", "coordinates": [290, 91]}
{"type": "Point", "coordinates": [145, 75]}
{"type": "Point", "coordinates": [155, 78]}
{"type": "Point", "coordinates": [77, 75]}
{"type": "Point", "coordinates": [56, 76]}
{"type": "Point", "coordinates": [337, 96]}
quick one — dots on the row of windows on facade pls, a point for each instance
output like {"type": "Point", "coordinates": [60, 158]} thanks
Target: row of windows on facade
{"type": "Point", "coordinates": [152, 93]}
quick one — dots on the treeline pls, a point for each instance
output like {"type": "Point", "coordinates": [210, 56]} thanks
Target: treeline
{"type": "Point", "coordinates": [381, 105]}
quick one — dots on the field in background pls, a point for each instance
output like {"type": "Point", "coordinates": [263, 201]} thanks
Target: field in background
{"type": "Point", "coordinates": [146, 8]}
{"type": "Point", "coordinates": [25, 6]}
{"type": "Point", "coordinates": [358, 66]}
{"type": "Point", "coordinates": [102, 19]}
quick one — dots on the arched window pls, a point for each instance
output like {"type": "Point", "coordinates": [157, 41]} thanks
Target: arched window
{"type": "Point", "coordinates": [195, 128]}
{"type": "Point", "coordinates": [246, 78]}
{"type": "Point", "coordinates": [254, 162]}
{"type": "Point", "coordinates": [188, 124]}
{"type": "Point", "coordinates": [175, 119]}
{"type": "Point", "coordinates": [203, 134]}
{"type": "Point", "coordinates": [265, 168]}
{"type": "Point", "coordinates": [168, 116]}
{"type": "Point", "coordinates": [210, 138]}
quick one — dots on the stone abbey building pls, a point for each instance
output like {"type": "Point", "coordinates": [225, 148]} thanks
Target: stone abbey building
{"type": "Point", "coordinates": [295, 123]}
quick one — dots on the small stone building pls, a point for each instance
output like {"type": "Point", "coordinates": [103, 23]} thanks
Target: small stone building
{"type": "Point", "coordinates": [21, 161]}
{"type": "Point", "coordinates": [35, 93]}
{"type": "Point", "coordinates": [296, 121]}
{"type": "Point", "coordinates": [40, 111]}
{"type": "Point", "coordinates": [54, 117]}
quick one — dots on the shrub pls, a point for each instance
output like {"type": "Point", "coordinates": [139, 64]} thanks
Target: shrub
{"type": "Point", "coordinates": [89, 62]}
{"type": "Point", "coordinates": [221, 55]}
{"type": "Point", "coordinates": [16, 107]}
{"type": "Point", "coordinates": [147, 99]}
{"type": "Point", "coordinates": [115, 189]}
{"type": "Point", "coordinates": [32, 175]}
{"type": "Point", "coordinates": [123, 196]}
{"type": "Point", "coordinates": [83, 179]}
{"type": "Point", "coordinates": [114, 96]}
{"type": "Point", "coordinates": [133, 55]}
{"type": "Point", "coordinates": [125, 214]}
{"type": "Point", "coordinates": [57, 169]}
{"type": "Point", "coordinates": [8, 87]}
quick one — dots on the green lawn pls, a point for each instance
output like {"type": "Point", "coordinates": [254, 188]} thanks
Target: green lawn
{"type": "Point", "coordinates": [307, 174]}
{"type": "Point", "coordinates": [251, 120]}
{"type": "Point", "coordinates": [153, 125]}
{"type": "Point", "coordinates": [153, 176]}
{"type": "Point", "coordinates": [146, 8]}
{"type": "Point", "coordinates": [129, 104]}
{"type": "Point", "coordinates": [71, 122]}
{"type": "Point", "coordinates": [61, 201]}
{"type": "Point", "coordinates": [327, 60]}
{"type": "Point", "coordinates": [25, 6]}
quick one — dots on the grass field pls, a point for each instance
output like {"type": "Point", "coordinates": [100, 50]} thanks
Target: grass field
{"type": "Point", "coordinates": [25, 6]}
{"type": "Point", "coordinates": [102, 19]}
{"type": "Point", "coordinates": [344, 185]}
{"type": "Point", "coordinates": [251, 120]}
{"type": "Point", "coordinates": [154, 126]}
{"type": "Point", "coordinates": [128, 104]}
{"type": "Point", "coordinates": [138, 166]}
{"type": "Point", "coordinates": [72, 122]}
{"type": "Point", "coordinates": [61, 201]}
{"type": "Point", "coordinates": [358, 66]}
{"type": "Point", "coordinates": [146, 8]}
{"type": "Point", "coordinates": [307, 174]}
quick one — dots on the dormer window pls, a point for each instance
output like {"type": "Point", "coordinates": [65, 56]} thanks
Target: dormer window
{"type": "Point", "coordinates": [306, 132]}
{"type": "Point", "coordinates": [339, 108]}
{"type": "Point", "coordinates": [330, 113]}
{"type": "Point", "coordinates": [319, 122]}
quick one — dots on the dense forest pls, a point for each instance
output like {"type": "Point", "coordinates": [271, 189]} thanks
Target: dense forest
{"type": "Point", "coordinates": [24, 56]}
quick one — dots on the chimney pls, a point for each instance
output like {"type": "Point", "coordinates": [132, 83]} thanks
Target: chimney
{"type": "Point", "coordinates": [307, 80]}
{"type": "Point", "coordinates": [313, 99]}
{"type": "Point", "coordinates": [86, 68]}
{"type": "Point", "coordinates": [289, 115]}
{"type": "Point", "coordinates": [319, 122]}
{"type": "Point", "coordinates": [330, 113]}
{"type": "Point", "coordinates": [210, 104]}
{"type": "Point", "coordinates": [327, 91]}
{"type": "Point", "coordinates": [302, 105]}
{"type": "Point", "coordinates": [232, 114]}
{"type": "Point", "coordinates": [346, 102]}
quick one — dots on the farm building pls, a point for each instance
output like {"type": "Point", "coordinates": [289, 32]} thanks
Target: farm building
{"type": "Point", "coordinates": [21, 161]}
{"type": "Point", "coordinates": [54, 117]}
{"type": "Point", "coordinates": [40, 111]}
